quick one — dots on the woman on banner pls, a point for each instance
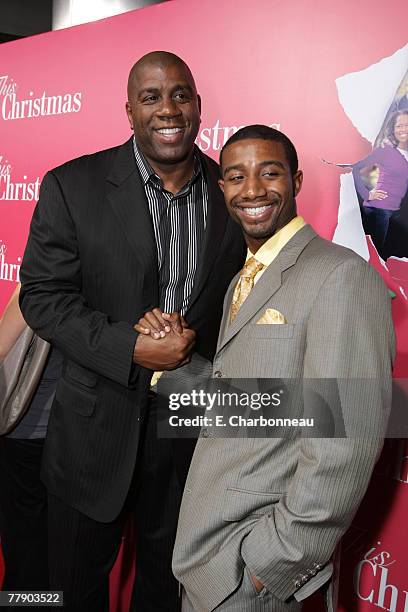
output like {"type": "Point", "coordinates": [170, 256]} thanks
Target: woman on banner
{"type": "Point", "coordinates": [23, 499]}
{"type": "Point", "coordinates": [383, 194]}
{"type": "Point", "coordinates": [381, 181]}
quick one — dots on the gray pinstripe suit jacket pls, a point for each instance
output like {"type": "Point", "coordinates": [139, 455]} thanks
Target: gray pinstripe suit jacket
{"type": "Point", "coordinates": [280, 506]}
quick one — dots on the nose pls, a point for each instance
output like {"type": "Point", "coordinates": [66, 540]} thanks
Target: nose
{"type": "Point", "coordinates": [168, 108]}
{"type": "Point", "coordinates": [253, 188]}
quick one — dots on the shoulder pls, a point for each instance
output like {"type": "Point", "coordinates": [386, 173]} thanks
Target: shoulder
{"type": "Point", "coordinates": [328, 260]}
{"type": "Point", "coordinates": [387, 152]}
{"type": "Point", "coordinates": [88, 165]}
{"type": "Point", "coordinates": [327, 250]}
{"type": "Point", "coordinates": [387, 149]}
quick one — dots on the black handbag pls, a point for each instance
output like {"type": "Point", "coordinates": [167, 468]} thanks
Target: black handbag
{"type": "Point", "coordinates": [20, 373]}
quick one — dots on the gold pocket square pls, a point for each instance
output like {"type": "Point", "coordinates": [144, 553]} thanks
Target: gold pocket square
{"type": "Point", "coordinates": [271, 317]}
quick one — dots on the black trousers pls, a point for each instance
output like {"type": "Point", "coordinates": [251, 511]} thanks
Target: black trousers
{"type": "Point", "coordinates": [377, 221]}
{"type": "Point", "coordinates": [23, 515]}
{"type": "Point", "coordinates": [82, 551]}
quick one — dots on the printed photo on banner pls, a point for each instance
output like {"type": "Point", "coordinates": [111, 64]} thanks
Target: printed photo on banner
{"type": "Point", "coordinates": [381, 181]}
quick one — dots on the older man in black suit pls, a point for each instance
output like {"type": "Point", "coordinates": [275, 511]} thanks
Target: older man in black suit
{"type": "Point", "coordinates": [116, 234]}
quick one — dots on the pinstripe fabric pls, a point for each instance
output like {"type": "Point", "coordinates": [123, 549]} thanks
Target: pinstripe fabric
{"type": "Point", "coordinates": [85, 586]}
{"type": "Point", "coordinates": [90, 270]}
{"type": "Point", "coordinates": [179, 223]}
{"type": "Point", "coordinates": [280, 506]}
{"type": "Point", "coordinates": [246, 599]}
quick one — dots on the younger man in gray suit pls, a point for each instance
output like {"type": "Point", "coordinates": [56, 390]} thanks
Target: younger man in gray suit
{"type": "Point", "coordinates": [260, 518]}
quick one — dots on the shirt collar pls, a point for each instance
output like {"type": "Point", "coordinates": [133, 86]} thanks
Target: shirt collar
{"type": "Point", "coordinates": [147, 173]}
{"type": "Point", "coordinates": [272, 247]}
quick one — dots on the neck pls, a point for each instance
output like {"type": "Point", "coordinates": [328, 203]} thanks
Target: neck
{"type": "Point", "coordinates": [254, 244]}
{"type": "Point", "coordinates": [403, 145]}
{"type": "Point", "coordinates": [174, 176]}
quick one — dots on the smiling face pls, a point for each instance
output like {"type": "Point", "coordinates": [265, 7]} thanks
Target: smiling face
{"type": "Point", "coordinates": [401, 130]}
{"type": "Point", "coordinates": [259, 188]}
{"type": "Point", "coordinates": [164, 111]}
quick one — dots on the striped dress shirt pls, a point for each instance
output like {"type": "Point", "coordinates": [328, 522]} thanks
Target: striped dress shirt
{"type": "Point", "coordinates": [179, 222]}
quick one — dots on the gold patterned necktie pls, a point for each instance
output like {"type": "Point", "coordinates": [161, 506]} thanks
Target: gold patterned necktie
{"type": "Point", "coordinates": [244, 285]}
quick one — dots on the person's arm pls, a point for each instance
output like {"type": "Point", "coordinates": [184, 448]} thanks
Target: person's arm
{"type": "Point", "coordinates": [12, 324]}
{"type": "Point", "coordinates": [53, 305]}
{"type": "Point", "coordinates": [374, 158]}
{"type": "Point", "coordinates": [350, 338]}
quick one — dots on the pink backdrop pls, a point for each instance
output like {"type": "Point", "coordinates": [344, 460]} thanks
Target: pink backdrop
{"type": "Point", "coordinates": [62, 94]}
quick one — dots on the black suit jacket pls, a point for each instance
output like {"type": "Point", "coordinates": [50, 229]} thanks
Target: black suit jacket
{"type": "Point", "coordinates": [89, 272]}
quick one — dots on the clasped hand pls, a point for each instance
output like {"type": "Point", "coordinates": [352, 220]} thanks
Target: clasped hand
{"type": "Point", "coordinates": [165, 341]}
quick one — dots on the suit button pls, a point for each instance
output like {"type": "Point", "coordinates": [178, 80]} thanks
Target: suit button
{"type": "Point", "coordinates": [204, 433]}
{"type": "Point", "coordinates": [298, 584]}
{"type": "Point", "coordinates": [218, 374]}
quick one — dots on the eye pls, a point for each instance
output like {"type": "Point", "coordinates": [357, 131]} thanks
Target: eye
{"type": "Point", "coordinates": [235, 178]}
{"type": "Point", "coordinates": [270, 174]}
{"type": "Point", "coordinates": [181, 96]}
{"type": "Point", "coordinates": [149, 99]}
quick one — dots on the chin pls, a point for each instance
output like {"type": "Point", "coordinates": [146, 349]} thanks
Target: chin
{"type": "Point", "coordinates": [260, 235]}
{"type": "Point", "coordinates": [260, 232]}
{"type": "Point", "coordinates": [167, 158]}
{"type": "Point", "coordinates": [175, 156]}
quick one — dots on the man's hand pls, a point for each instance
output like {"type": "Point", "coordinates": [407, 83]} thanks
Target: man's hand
{"type": "Point", "coordinates": [157, 323]}
{"type": "Point", "coordinates": [170, 352]}
{"type": "Point", "coordinates": [257, 583]}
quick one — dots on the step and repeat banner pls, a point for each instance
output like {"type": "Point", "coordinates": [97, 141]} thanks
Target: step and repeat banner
{"type": "Point", "coordinates": [333, 76]}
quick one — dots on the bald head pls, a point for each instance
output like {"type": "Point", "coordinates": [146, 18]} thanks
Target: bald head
{"type": "Point", "coordinates": [162, 59]}
{"type": "Point", "coordinates": [163, 109]}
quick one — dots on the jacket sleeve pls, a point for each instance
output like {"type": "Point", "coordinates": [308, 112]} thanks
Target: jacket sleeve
{"type": "Point", "coordinates": [51, 299]}
{"type": "Point", "coordinates": [350, 342]}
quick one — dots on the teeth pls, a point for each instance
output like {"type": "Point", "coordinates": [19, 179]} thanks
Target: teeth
{"type": "Point", "coordinates": [255, 211]}
{"type": "Point", "coordinates": [170, 131]}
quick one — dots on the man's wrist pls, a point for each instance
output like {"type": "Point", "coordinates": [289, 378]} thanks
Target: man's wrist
{"type": "Point", "coordinates": [136, 350]}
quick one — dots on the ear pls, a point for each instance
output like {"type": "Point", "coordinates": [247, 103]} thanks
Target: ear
{"type": "Point", "coordinates": [129, 114]}
{"type": "Point", "coordinates": [297, 182]}
{"type": "Point", "coordinates": [221, 184]}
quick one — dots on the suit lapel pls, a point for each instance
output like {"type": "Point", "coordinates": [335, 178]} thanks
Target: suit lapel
{"type": "Point", "coordinates": [128, 200]}
{"type": "Point", "coordinates": [266, 287]}
{"type": "Point", "coordinates": [217, 217]}
{"type": "Point", "coordinates": [226, 310]}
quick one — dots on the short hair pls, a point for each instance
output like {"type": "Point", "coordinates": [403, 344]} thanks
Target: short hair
{"type": "Point", "coordinates": [263, 132]}
{"type": "Point", "coordinates": [389, 131]}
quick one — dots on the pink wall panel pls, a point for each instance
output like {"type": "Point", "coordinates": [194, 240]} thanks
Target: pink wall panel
{"type": "Point", "coordinates": [62, 94]}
